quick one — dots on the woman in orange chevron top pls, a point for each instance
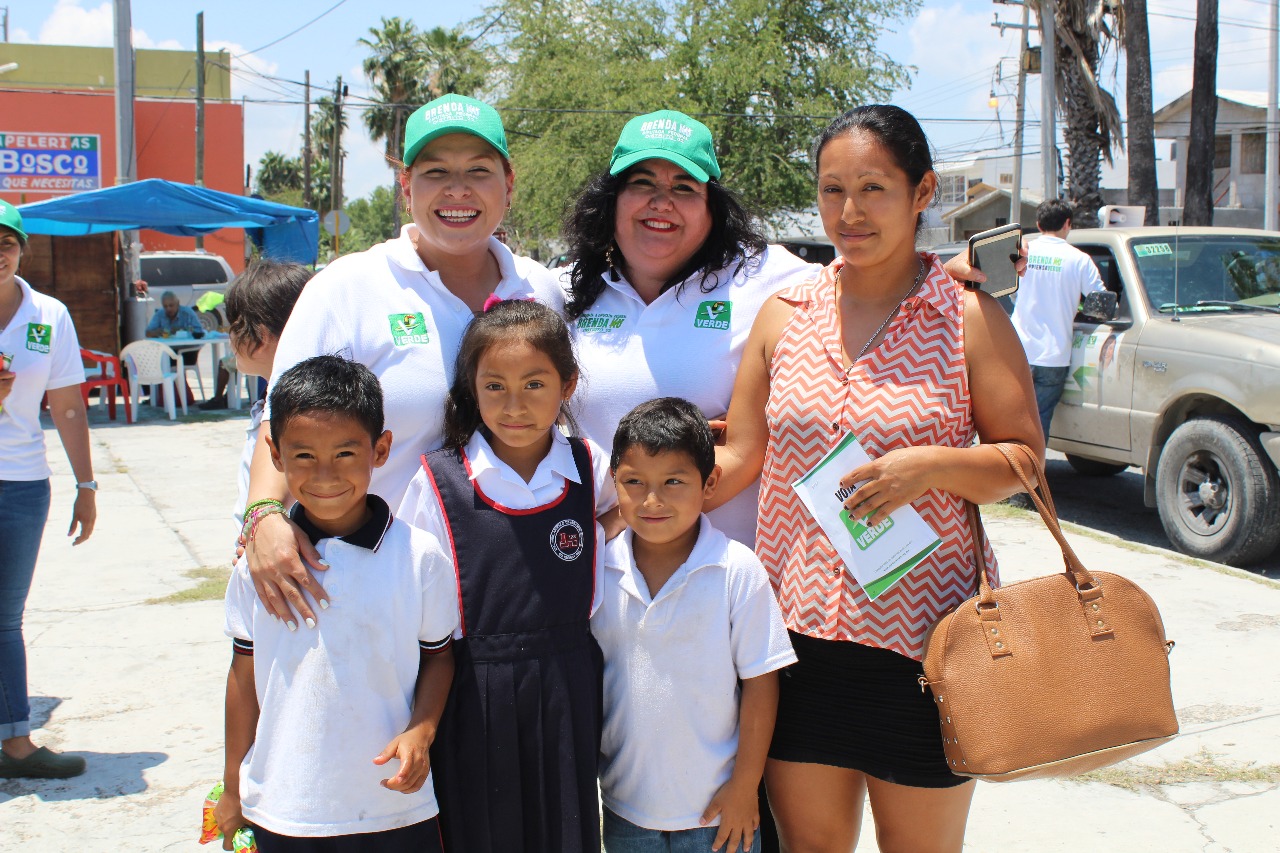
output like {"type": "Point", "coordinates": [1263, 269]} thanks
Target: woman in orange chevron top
{"type": "Point", "coordinates": [884, 344]}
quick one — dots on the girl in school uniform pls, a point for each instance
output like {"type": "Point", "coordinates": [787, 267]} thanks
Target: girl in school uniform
{"type": "Point", "coordinates": [516, 502]}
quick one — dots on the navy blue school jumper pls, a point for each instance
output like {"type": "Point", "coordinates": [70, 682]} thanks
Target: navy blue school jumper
{"type": "Point", "coordinates": [516, 754]}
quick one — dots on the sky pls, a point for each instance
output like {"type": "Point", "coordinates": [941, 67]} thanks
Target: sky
{"type": "Point", "coordinates": [953, 51]}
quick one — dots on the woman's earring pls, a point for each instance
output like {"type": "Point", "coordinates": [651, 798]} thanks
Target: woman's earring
{"type": "Point", "coordinates": [608, 256]}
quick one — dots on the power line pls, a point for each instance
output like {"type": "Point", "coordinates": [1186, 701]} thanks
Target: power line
{"type": "Point", "coordinates": [294, 32]}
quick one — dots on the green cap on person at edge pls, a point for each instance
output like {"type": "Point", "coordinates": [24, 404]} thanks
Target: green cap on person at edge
{"type": "Point", "coordinates": [10, 218]}
{"type": "Point", "coordinates": [452, 114]}
{"type": "Point", "coordinates": [667, 135]}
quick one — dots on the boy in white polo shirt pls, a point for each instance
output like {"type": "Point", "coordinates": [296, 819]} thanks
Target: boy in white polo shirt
{"type": "Point", "coordinates": [692, 639]}
{"type": "Point", "coordinates": [312, 716]}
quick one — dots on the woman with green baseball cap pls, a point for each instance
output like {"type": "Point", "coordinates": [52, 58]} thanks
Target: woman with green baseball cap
{"type": "Point", "coordinates": [39, 355]}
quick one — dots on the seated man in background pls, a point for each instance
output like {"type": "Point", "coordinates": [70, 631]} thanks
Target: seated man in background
{"type": "Point", "coordinates": [171, 318]}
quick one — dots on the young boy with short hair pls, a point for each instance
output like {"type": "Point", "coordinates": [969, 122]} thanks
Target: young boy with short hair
{"type": "Point", "coordinates": [692, 639]}
{"type": "Point", "coordinates": [312, 716]}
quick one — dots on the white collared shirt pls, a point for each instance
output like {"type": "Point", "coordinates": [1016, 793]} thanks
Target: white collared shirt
{"type": "Point", "coordinates": [686, 343]}
{"type": "Point", "coordinates": [502, 485]}
{"type": "Point", "coordinates": [46, 357]}
{"type": "Point", "coordinates": [386, 310]}
{"type": "Point", "coordinates": [672, 662]}
{"type": "Point", "coordinates": [333, 696]}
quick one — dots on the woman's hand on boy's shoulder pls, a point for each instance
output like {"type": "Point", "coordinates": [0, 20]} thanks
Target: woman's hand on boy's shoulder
{"type": "Point", "coordinates": [738, 806]}
{"type": "Point", "coordinates": [413, 749]}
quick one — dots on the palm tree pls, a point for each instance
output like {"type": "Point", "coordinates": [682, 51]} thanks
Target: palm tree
{"type": "Point", "coordinates": [453, 65]}
{"type": "Point", "coordinates": [396, 70]}
{"type": "Point", "coordinates": [277, 173]}
{"type": "Point", "coordinates": [1092, 124]}
{"type": "Point", "coordinates": [1198, 207]}
{"type": "Point", "coordinates": [1143, 188]}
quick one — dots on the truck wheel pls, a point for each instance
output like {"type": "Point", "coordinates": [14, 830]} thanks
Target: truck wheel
{"type": "Point", "coordinates": [1217, 492]}
{"type": "Point", "coordinates": [1094, 468]}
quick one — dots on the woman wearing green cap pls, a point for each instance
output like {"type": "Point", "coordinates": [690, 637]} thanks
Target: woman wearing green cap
{"type": "Point", "coordinates": [400, 308]}
{"type": "Point", "coordinates": [39, 355]}
{"type": "Point", "coordinates": [669, 270]}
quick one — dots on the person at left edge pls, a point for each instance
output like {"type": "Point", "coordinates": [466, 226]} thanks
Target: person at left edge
{"type": "Point", "coordinates": [39, 354]}
{"type": "Point", "coordinates": [517, 502]}
{"type": "Point", "coordinates": [400, 309]}
{"type": "Point", "coordinates": [327, 733]}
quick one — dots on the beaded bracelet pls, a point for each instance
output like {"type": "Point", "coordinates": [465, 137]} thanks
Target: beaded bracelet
{"type": "Point", "coordinates": [250, 530]}
{"type": "Point", "coordinates": [248, 511]}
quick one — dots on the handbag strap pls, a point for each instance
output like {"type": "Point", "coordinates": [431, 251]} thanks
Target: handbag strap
{"type": "Point", "coordinates": [1043, 500]}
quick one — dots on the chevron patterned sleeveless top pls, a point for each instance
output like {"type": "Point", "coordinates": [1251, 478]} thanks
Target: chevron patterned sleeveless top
{"type": "Point", "coordinates": [910, 390]}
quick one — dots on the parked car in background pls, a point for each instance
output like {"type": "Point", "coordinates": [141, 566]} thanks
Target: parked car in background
{"type": "Point", "coordinates": [189, 275]}
{"type": "Point", "coordinates": [1184, 382]}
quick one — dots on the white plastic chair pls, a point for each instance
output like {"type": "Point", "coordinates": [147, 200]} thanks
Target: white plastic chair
{"type": "Point", "coordinates": [250, 389]}
{"type": "Point", "coordinates": [155, 364]}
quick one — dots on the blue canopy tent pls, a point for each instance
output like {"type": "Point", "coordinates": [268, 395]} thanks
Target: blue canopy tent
{"type": "Point", "coordinates": [287, 233]}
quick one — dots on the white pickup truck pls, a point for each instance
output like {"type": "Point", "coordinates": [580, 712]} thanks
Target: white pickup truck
{"type": "Point", "coordinates": [1184, 382]}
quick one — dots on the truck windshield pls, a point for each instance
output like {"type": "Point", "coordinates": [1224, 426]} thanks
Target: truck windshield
{"type": "Point", "coordinates": [1210, 273]}
{"type": "Point", "coordinates": [162, 271]}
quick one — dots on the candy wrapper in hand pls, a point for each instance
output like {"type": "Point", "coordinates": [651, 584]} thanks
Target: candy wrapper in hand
{"type": "Point", "coordinates": [241, 842]}
{"type": "Point", "coordinates": [209, 824]}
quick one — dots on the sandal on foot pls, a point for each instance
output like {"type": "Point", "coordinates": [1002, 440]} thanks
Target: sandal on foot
{"type": "Point", "coordinates": [44, 763]}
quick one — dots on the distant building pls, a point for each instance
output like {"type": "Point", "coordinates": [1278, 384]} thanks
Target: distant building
{"type": "Point", "coordinates": [58, 130]}
{"type": "Point", "coordinates": [1239, 156]}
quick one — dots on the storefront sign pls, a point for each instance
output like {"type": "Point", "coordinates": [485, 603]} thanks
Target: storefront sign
{"type": "Point", "coordinates": [50, 162]}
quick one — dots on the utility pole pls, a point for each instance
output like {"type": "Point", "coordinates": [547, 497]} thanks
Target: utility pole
{"type": "Point", "coordinates": [199, 110]}
{"type": "Point", "coordinates": [1015, 194]}
{"type": "Point", "coordinates": [1272, 193]}
{"type": "Point", "coordinates": [335, 157]}
{"type": "Point", "coordinates": [5, 20]}
{"type": "Point", "coordinates": [126, 143]}
{"type": "Point", "coordinates": [1048, 101]}
{"type": "Point", "coordinates": [306, 143]}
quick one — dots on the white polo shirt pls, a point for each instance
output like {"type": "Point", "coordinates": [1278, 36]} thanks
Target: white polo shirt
{"type": "Point", "coordinates": [671, 670]}
{"type": "Point", "coordinates": [500, 483]}
{"type": "Point", "coordinates": [686, 343]}
{"type": "Point", "coordinates": [332, 697]}
{"type": "Point", "coordinates": [46, 356]}
{"type": "Point", "coordinates": [386, 310]}
{"type": "Point", "coordinates": [1044, 309]}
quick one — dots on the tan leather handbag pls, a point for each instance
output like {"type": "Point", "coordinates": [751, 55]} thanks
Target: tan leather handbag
{"type": "Point", "coordinates": [1049, 677]}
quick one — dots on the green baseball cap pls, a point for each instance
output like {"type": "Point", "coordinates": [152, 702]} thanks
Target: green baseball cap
{"type": "Point", "coordinates": [452, 114]}
{"type": "Point", "coordinates": [10, 218]}
{"type": "Point", "coordinates": [667, 135]}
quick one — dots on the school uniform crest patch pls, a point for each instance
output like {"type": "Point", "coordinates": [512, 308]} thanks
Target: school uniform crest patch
{"type": "Point", "coordinates": [567, 539]}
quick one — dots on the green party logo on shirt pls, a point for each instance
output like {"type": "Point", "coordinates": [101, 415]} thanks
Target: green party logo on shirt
{"type": "Point", "coordinates": [1044, 263]}
{"type": "Point", "coordinates": [408, 329]}
{"type": "Point", "coordinates": [713, 315]}
{"type": "Point", "coordinates": [39, 337]}
{"type": "Point", "coordinates": [863, 536]}
{"type": "Point", "coordinates": [600, 322]}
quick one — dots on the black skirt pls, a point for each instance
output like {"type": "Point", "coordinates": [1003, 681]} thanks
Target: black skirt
{"type": "Point", "coordinates": [848, 705]}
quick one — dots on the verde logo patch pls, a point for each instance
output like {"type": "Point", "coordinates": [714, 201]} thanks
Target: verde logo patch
{"type": "Point", "coordinates": [713, 315]}
{"type": "Point", "coordinates": [863, 536]}
{"type": "Point", "coordinates": [39, 337]}
{"type": "Point", "coordinates": [600, 322]}
{"type": "Point", "coordinates": [1044, 263]}
{"type": "Point", "coordinates": [408, 329]}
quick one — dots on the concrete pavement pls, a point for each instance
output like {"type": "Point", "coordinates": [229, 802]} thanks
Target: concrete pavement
{"type": "Point", "coordinates": [136, 687]}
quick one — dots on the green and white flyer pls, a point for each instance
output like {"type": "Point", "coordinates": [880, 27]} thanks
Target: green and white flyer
{"type": "Point", "coordinates": [877, 556]}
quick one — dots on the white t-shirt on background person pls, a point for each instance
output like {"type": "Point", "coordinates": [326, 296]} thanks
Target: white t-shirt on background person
{"type": "Point", "coordinates": [1058, 275]}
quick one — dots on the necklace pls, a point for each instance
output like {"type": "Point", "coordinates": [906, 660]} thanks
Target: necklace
{"type": "Point", "coordinates": [892, 314]}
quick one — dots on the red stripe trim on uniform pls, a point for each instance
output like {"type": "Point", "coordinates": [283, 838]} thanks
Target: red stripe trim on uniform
{"type": "Point", "coordinates": [506, 510]}
{"type": "Point", "coordinates": [595, 539]}
{"type": "Point", "coordinates": [453, 549]}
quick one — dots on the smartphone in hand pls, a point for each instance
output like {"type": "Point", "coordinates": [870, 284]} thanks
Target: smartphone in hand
{"type": "Point", "coordinates": [995, 252]}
